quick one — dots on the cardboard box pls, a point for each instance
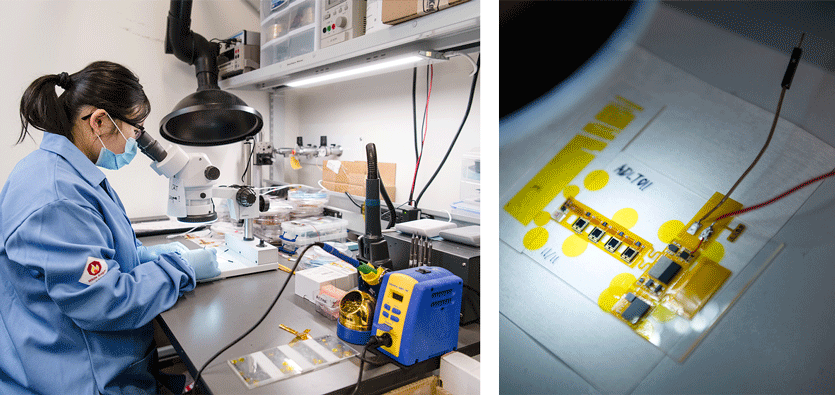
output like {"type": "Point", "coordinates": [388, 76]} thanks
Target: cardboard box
{"type": "Point", "coordinates": [339, 274]}
{"type": "Point", "coordinates": [340, 176]}
{"type": "Point", "coordinates": [359, 191]}
{"type": "Point", "coordinates": [398, 11]}
{"type": "Point", "coordinates": [335, 186]}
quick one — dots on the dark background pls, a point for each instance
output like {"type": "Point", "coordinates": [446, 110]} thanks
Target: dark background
{"type": "Point", "coordinates": [543, 42]}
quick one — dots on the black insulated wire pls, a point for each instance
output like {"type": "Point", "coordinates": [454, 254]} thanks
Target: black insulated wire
{"type": "Point", "coordinates": [793, 62]}
{"type": "Point", "coordinates": [451, 145]}
{"type": "Point", "coordinates": [266, 313]}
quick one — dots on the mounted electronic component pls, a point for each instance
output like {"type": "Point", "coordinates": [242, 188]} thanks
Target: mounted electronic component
{"type": "Point", "coordinates": [612, 245]}
{"type": "Point", "coordinates": [684, 255]}
{"type": "Point", "coordinates": [602, 232]}
{"type": "Point", "coordinates": [596, 234]}
{"type": "Point", "coordinates": [579, 225]}
{"type": "Point", "coordinates": [736, 233]}
{"type": "Point", "coordinates": [636, 310]}
{"type": "Point", "coordinates": [673, 248]}
{"type": "Point", "coordinates": [628, 254]}
{"type": "Point", "coordinates": [664, 270]}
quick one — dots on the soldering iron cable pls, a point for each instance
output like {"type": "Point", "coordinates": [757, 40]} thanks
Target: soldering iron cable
{"type": "Point", "coordinates": [287, 281]}
{"type": "Point", "coordinates": [786, 84]}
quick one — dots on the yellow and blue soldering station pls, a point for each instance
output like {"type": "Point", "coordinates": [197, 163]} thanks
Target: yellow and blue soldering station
{"type": "Point", "coordinates": [420, 308]}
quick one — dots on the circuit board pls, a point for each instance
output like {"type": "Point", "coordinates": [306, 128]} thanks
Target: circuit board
{"type": "Point", "coordinates": [604, 233]}
{"type": "Point", "coordinates": [680, 278]}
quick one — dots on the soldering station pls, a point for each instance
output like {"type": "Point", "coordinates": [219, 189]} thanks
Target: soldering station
{"type": "Point", "coordinates": [393, 285]}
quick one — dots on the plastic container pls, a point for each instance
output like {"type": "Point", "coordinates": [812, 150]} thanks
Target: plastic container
{"type": "Point", "coordinates": [327, 302]}
{"type": "Point", "coordinates": [307, 204]}
{"type": "Point", "coordinates": [466, 209]}
{"type": "Point", "coordinates": [316, 256]}
{"type": "Point", "coordinates": [268, 225]}
{"type": "Point", "coordinates": [288, 29]}
{"type": "Point", "coordinates": [305, 231]}
{"type": "Point", "coordinates": [471, 166]}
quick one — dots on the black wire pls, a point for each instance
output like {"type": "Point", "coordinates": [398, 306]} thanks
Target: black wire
{"type": "Point", "coordinates": [422, 126]}
{"type": "Point", "coordinates": [246, 169]}
{"type": "Point", "coordinates": [451, 145]}
{"type": "Point", "coordinates": [289, 275]}
{"type": "Point", "coordinates": [351, 198]}
{"type": "Point", "coordinates": [374, 341]}
{"type": "Point", "coordinates": [362, 366]}
{"type": "Point", "coordinates": [388, 203]}
{"type": "Point", "coordinates": [414, 109]}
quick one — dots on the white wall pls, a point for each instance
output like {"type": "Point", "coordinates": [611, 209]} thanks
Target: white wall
{"type": "Point", "coordinates": [48, 37]}
{"type": "Point", "coordinates": [378, 110]}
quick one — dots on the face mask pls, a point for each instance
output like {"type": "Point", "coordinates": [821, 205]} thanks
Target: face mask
{"type": "Point", "coordinates": [109, 160]}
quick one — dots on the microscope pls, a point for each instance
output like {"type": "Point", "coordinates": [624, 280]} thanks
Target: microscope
{"type": "Point", "coordinates": [192, 185]}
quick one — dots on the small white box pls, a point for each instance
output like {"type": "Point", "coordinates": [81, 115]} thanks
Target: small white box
{"type": "Point", "coordinates": [460, 374]}
{"type": "Point", "coordinates": [339, 274]}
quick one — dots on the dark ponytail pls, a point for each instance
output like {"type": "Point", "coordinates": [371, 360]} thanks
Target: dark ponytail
{"type": "Point", "coordinates": [105, 85]}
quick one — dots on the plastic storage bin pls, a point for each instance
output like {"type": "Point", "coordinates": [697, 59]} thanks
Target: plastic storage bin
{"type": "Point", "coordinates": [268, 225]}
{"type": "Point", "coordinates": [288, 29]}
{"type": "Point", "coordinates": [471, 166]}
{"type": "Point", "coordinates": [307, 204]}
{"type": "Point", "coordinates": [305, 231]}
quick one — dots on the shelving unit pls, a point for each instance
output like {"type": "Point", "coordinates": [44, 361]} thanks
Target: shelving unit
{"type": "Point", "coordinates": [451, 28]}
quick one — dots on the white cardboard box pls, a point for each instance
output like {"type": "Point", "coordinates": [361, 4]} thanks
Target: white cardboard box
{"type": "Point", "coordinates": [339, 274]}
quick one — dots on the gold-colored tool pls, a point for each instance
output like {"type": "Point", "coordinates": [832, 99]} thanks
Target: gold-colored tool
{"type": "Point", "coordinates": [299, 335]}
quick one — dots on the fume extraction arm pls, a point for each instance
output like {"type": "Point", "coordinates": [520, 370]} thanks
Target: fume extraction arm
{"type": "Point", "coordinates": [209, 116]}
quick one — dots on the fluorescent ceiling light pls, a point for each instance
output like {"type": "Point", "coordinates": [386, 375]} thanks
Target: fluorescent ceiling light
{"type": "Point", "coordinates": [355, 72]}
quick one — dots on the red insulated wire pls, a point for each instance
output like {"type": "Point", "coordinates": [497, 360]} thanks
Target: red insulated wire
{"type": "Point", "coordinates": [425, 129]}
{"type": "Point", "coordinates": [782, 195]}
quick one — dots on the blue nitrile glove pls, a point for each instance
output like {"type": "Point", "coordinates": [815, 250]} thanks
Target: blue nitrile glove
{"type": "Point", "coordinates": [203, 261]}
{"type": "Point", "coordinates": [151, 253]}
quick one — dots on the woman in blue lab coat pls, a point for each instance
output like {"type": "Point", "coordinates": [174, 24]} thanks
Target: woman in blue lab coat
{"type": "Point", "coordinates": [77, 290]}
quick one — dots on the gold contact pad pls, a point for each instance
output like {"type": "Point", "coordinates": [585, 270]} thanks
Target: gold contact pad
{"type": "Point", "coordinates": [695, 288]}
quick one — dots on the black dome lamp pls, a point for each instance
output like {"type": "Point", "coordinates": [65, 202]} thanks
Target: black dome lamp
{"type": "Point", "coordinates": [209, 116]}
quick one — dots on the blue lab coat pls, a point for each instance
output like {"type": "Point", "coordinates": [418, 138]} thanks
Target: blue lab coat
{"type": "Point", "coordinates": [75, 303]}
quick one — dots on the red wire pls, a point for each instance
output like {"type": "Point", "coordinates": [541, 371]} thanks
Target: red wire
{"type": "Point", "coordinates": [784, 194]}
{"type": "Point", "coordinates": [425, 127]}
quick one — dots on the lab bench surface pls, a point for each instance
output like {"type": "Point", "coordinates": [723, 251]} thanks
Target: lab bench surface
{"type": "Point", "coordinates": [205, 320]}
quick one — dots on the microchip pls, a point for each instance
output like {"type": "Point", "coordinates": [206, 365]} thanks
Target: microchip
{"type": "Point", "coordinates": [664, 270]}
{"type": "Point", "coordinates": [673, 248]}
{"type": "Point", "coordinates": [658, 288]}
{"type": "Point", "coordinates": [636, 310]}
{"type": "Point", "coordinates": [630, 297]}
{"type": "Point", "coordinates": [579, 225]}
{"type": "Point", "coordinates": [628, 254]}
{"type": "Point", "coordinates": [649, 284]}
{"type": "Point", "coordinates": [596, 234]}
{"type": "Point", "coordinates": [684, 255]}
{"type": "Point", "coordinates": [612, 245]}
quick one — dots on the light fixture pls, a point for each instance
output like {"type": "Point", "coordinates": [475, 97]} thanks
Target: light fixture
{"type": "Point", "coordinates": [368, 65]}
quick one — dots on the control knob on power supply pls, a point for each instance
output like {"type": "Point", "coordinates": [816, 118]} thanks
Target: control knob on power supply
{"type": "Point", "coordinates": [341, 21]}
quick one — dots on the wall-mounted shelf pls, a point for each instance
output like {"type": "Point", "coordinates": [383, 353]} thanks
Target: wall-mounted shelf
{"type": "Point", "coordinates": [449, 28]}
